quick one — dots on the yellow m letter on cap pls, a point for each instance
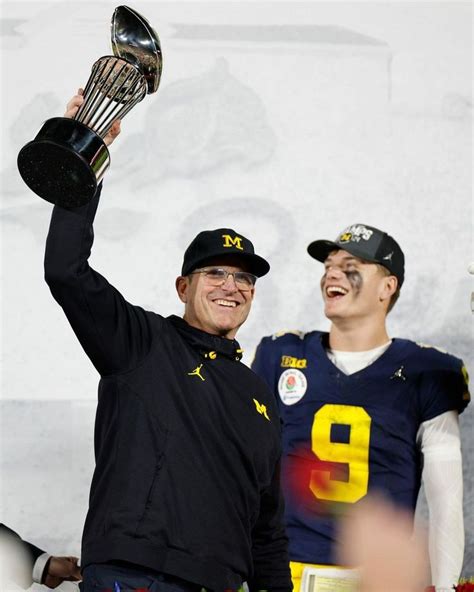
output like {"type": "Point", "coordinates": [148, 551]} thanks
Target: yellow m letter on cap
{"type": "Point", "coordinates": [236, 241]}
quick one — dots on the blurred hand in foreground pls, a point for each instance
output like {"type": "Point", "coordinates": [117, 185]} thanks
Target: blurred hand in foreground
{"type": "Point", "coordinates": [379, 540]}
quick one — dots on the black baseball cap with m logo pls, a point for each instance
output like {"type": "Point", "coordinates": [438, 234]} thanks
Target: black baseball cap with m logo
{"type": "Point", "coordinates": [222, 242]}
{"type": "Point", "coordinates": [367, 243]}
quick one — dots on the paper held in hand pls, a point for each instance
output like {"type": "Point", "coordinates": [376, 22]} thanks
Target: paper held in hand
{"type": "Point", "coordinates": [322, 579]}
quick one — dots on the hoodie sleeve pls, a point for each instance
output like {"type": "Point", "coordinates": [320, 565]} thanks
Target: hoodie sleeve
{"type": "Point", "coordinates": [114, 334]}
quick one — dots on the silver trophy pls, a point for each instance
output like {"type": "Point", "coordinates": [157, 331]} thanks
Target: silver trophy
{"type": "Point", "coordinates": [68, 157]}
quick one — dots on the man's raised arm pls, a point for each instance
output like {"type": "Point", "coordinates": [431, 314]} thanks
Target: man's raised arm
{"type": "Point", "coordinates": [114, 334]}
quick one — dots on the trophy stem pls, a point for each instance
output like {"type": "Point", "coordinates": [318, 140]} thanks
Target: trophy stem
{"type": "Point", "coordinates": [104, 130]}
{"type": "Point", "coordinates": [89, 96]}
{"type": "Point", "coordinates": [94, 99]}
{"type": "Point", "coordinates": [113, 88]}
{"type": "Point", "coordinates": [95, 117]}
{"type": "Point", "coordinates": [116, 96]}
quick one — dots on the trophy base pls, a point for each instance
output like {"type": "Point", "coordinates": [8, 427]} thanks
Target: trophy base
{"type": "Point", "coordinates": [64, 163]}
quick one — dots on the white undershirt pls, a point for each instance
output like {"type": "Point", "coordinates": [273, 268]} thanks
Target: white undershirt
{"type": "Point", "coordinates": [440, 445]}
{"type": "Point", "coordinates": [350, 362]}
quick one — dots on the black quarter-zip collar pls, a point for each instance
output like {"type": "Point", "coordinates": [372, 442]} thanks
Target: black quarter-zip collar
{"type": "Point", "coordinates": [205, 342]}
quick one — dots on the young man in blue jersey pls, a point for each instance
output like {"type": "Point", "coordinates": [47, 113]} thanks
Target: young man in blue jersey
{"type": "Point", "coordinates": [363, 412]}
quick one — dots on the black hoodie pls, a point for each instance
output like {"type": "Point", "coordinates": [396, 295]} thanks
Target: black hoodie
{"type": "Point", "coordinates": [187, 438]}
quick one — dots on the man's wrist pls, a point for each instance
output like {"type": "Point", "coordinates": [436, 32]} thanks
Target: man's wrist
{"type": "Point", "coordinates": [40, 567]}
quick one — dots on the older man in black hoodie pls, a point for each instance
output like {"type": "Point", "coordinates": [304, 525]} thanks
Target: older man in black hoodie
{"type": "Point", "coordinates": [185, 494]}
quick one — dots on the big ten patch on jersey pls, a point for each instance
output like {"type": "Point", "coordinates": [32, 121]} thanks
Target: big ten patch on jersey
{"type": "Point", "coordinates": [292, 383]}
{"type": "Point", "coordinates": [292, 362]}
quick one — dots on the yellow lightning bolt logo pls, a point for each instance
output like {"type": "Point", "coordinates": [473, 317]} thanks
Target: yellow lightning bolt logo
{"type": "Point", "coordinates": [262, 409]}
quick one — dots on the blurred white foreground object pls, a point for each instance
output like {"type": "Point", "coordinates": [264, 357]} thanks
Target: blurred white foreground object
{"type": "Point", "coordinates": [471, 271]}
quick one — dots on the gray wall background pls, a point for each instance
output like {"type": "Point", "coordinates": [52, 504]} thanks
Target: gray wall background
{"type": "Point", "coordinates": [287, 121]}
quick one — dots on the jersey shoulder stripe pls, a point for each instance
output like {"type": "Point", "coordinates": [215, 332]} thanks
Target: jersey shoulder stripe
{"type": "Point", "coordinates": [440, 368]}
{"type": "Point", "coordinates": [294, 336]}
{"type": "Point", "coordinates": [288, 342]}
{"type": "Point", "coordinates": [429, 357]}
{"type": "Point", "coordinates": [287, 332]}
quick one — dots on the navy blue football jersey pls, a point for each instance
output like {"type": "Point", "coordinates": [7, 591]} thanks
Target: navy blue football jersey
{"type": "Point", "coordinates": [344, 436]}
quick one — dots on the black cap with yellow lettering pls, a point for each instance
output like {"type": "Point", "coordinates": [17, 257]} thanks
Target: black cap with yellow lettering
{"type": "Point", "coordinates": [222, 242]}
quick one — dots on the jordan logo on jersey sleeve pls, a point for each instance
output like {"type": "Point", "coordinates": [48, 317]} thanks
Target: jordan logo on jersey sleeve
{"type": "Point", "coordinates": [399, 374]}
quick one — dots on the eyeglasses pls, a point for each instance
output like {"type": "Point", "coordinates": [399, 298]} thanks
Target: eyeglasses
{"type": "Point", "coordinates": [217, 276]}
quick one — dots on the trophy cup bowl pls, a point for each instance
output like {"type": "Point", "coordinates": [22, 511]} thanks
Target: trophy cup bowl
{"type": "Point", "coordinates": [68, 157]}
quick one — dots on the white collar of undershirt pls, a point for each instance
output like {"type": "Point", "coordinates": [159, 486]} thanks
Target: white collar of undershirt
{"type": "Point", "coordinates": [350, 362]}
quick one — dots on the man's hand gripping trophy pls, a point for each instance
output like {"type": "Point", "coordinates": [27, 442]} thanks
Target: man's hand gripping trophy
{"type": "Point", "coordinates": [73, 107]}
